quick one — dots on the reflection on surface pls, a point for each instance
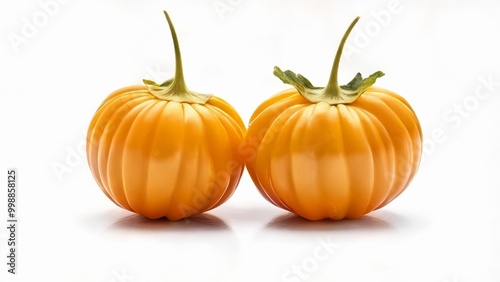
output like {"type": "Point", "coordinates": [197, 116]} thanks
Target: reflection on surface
{"type": "Point", "coordinates": [202, 222]}
{"type": "Point", "coordinates": [143, 245]}
{"type": "Point", "coordinates": [290, 221]}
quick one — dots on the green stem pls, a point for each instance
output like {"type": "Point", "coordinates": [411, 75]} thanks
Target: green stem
{"type": "Point", "coordinates": [332, 89]}
{"type": "Point", "coordinates": [178, 84]}
{"type": "Point", "coordinates": [175, 89]}
{"type": "Point", "coordinates": [332, 94]}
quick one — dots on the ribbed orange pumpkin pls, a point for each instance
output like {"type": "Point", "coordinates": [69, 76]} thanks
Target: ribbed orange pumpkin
{"type": "Point", "coordinates": [165, 151]}
{"type": "Point", "coordinates": [334, 152]}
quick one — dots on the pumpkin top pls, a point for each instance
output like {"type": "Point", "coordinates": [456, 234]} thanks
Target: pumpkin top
{"type": "Point", "coordinates": [175, 89]}
{"type": "Point", "coordinates": [332, 94]}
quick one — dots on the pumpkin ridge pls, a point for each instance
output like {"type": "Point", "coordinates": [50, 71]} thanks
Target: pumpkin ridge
{"type": "Point", "coordinates": [125, 187]}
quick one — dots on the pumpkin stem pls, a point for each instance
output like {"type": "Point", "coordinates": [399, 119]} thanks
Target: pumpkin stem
{"type": "Point", "coordinates": [175, 89]}
{"type": "Point", "coordinates": [332, 94]}
{"type": "Point", "coordinates": [178, 82]}
{"type": "Point", "coordinates": [332, 88]}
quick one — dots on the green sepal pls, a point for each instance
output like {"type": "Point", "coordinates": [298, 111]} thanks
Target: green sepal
{"type": "Point", "coordinates": [164, 91]}
{"type": "Point", "coordinates": [296, 80]}
{"type": "Point", "coordinates": [346, 93]}
{"type": "Point", "coordinates": [152, 83]}
{"type": "Point", "coordinates": [332, 94]}
{"type": "Point", "coordinates": [359, 84]}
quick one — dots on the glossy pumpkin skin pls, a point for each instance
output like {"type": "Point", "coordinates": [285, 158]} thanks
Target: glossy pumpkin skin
{"type": "Point", "coordinates": [333, 161]}
{"type": "Point", "coordinates": [161, 158]}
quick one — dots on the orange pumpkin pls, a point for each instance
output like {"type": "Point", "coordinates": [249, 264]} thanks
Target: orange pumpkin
{"type": "Point", "coordinates": [161, 150]}
{"type": "Point", "coordinates": [333, 152]}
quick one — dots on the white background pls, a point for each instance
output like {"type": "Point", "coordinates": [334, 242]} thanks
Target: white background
{"type": "Point", "coordinates": [59, 61]}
